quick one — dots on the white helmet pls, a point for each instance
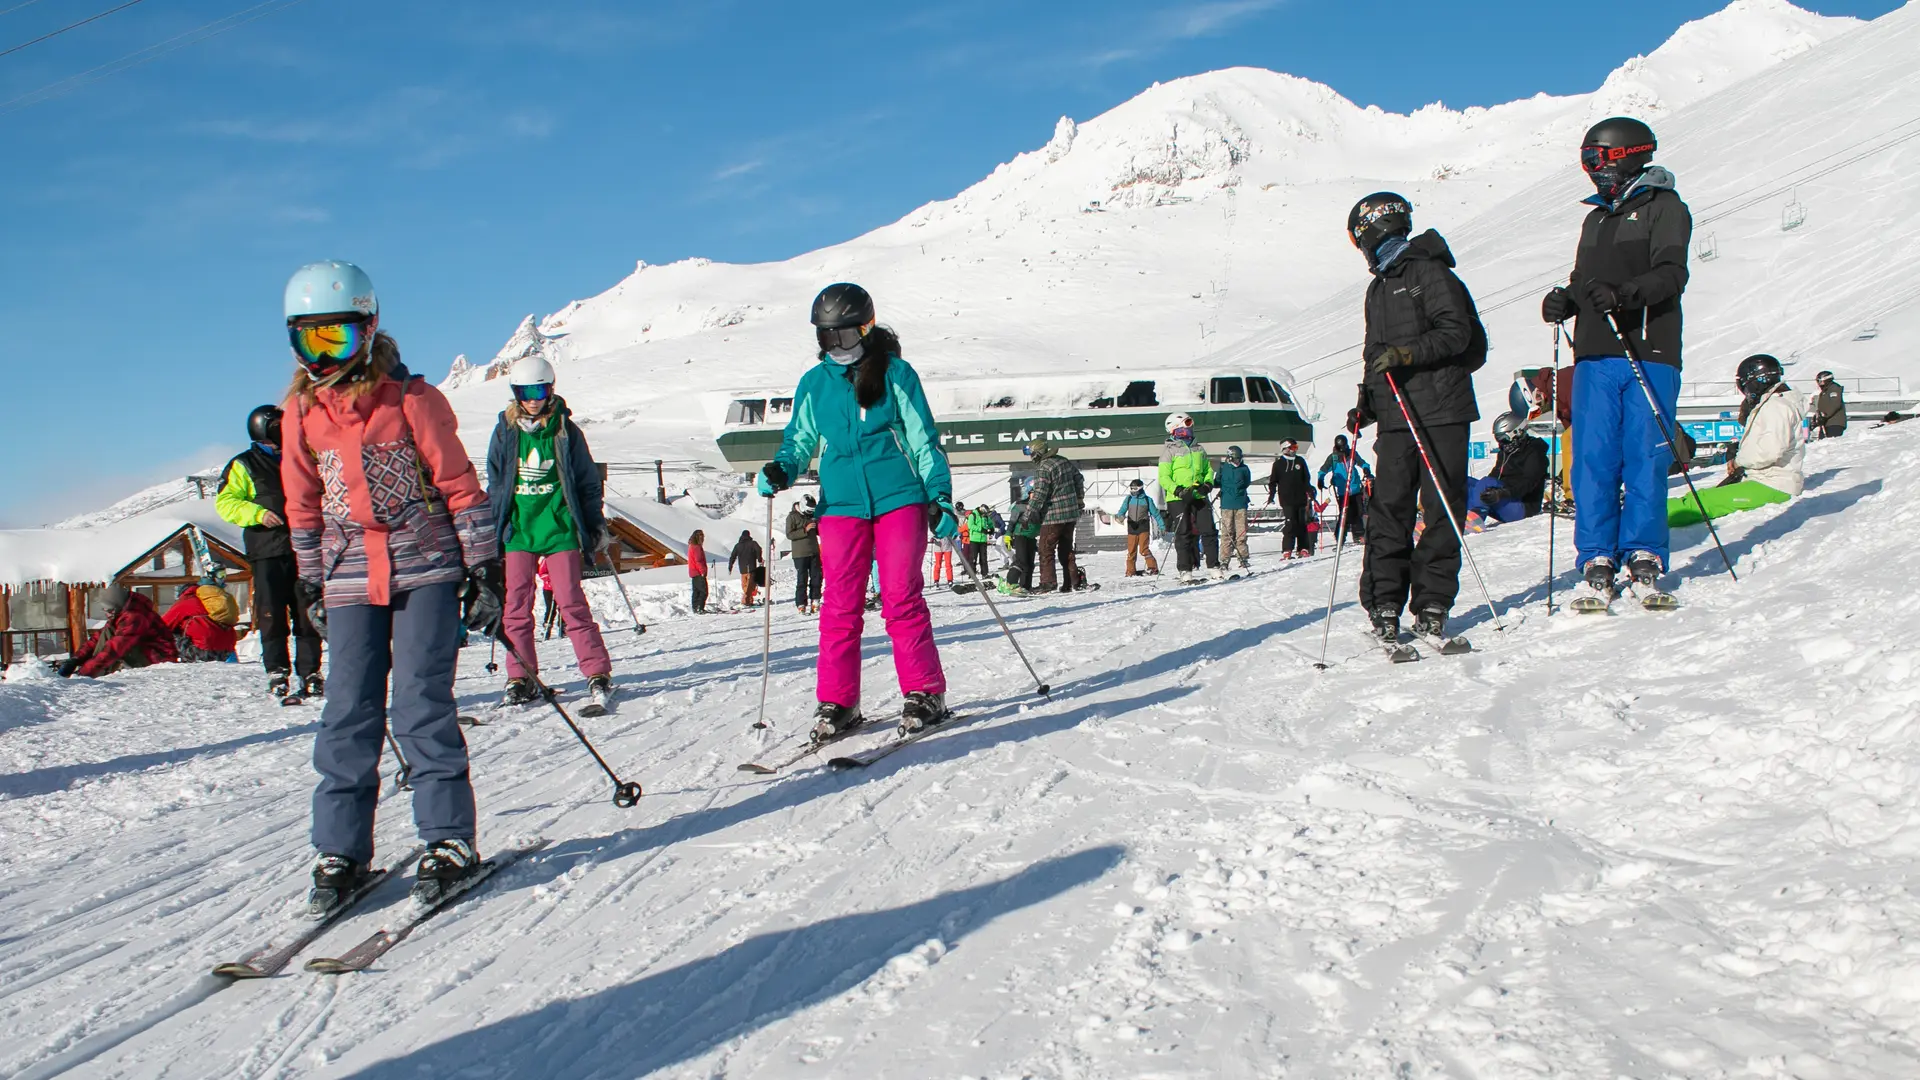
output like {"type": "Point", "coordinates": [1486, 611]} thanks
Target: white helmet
{"type": "Point", "coordinates": [529, 370]}
{"type": "Point", "coordinates": [1178, 420]}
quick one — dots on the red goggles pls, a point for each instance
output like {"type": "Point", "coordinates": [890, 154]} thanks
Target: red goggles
{"type": "Point", "coordinates": [1595, 158]}
{"type": "Point", "coordinates": [326, 343]}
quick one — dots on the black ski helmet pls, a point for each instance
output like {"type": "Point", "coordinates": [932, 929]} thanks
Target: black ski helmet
{"type": "Point", "coordinates": [1377, 217]}
{"type": "Point", "coordinates": [842, 305]}
{"type": "Point", "coordinates": [263, 425]}
{"type": "Point", "coordinates": [1508, 426]}
{"type": "Point", "coordinates": [1758, 374]}
{"type": "Point", "coordinates": [1615, 152]}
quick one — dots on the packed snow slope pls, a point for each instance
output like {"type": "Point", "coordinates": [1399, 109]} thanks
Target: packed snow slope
{"type": "Point", "coordinates": [1205, 210]}
{"type": "Point", "coordinates": [1648, 846]}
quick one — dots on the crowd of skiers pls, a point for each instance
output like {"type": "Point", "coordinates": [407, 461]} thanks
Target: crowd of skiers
{"type": "Point", "coordinates": [367, 526]}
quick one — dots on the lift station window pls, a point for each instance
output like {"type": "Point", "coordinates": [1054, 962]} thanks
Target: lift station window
{"type": "Point", "coordinates": [747, 411]}
{"type": "Point", "coordinates": [1139, 394]}
{"type": "Point", "coordinates": [1228, 391]}
{"type": "Point", "coordinates": [1261, 391]}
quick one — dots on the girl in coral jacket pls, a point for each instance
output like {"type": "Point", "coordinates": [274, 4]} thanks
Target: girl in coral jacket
{"type": "Point", "coordinates": [391, 533]}
{"type": "Point", "coordinates": [883, 482]}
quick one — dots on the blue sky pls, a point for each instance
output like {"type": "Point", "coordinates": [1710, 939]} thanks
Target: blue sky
{"type": "Point", "coordinates": [486, 159]}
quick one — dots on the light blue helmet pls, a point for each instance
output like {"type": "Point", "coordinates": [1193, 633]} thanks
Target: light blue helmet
{"type": "Point", "coordinates": [330, 288]}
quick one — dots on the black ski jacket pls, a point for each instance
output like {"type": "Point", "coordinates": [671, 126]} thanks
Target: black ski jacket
{"type": "Point", "coordinates": [1291, 482]}
{"type": "Point", "coordinates": [1643, 240]}
{"type": "Point", "coordinates": [1523, 471]}
{"type": "Point", "coordinates": [1417, 302]}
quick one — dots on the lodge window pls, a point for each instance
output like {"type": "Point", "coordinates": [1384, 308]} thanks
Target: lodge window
{"type": "Point", "coordinates": [1228, 391]}
{"type": "Point", "coordinates": [1139, 394]}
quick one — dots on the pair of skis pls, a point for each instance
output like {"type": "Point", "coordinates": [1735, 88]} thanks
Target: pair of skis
{"type": "Point", "coordinates": [1653, 600]}
{"type": "Point", "coordinates": [596, 707]}
{"type": "Point", "coordinates": [271, 959]}
{"type": "Point", "coordinates": [1403, 652]}
{"type": "Point", "coordinates": [853, 761]}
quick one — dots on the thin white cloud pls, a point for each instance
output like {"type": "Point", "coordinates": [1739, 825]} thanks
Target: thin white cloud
{"type": "Point", "coordinates": [1203, 20]}
{"type": "Point", "coordinates": [740, 169]}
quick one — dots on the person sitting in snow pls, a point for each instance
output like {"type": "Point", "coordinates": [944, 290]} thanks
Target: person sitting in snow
{"type": "Point", "coordinates": [1769, 464]}
{"type": "Point", "coordinates": [1518, 483]}
{"type": "Point", "coordinates": [202, 619]}
{"type": "Point", "coordinates": [133, 636]}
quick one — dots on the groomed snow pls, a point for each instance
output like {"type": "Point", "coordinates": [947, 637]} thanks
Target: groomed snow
{"type": "Point", "coordinates": [1644, 846]}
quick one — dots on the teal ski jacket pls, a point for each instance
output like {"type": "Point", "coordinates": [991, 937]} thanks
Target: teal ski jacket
{"type": "Point", "coordinates": [872, 460]}
{"type": "Point", "coordinates": [1232, 480]}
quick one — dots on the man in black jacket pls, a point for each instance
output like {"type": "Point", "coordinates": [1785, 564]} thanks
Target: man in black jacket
{"type": "Point", "coordinates": [1631, 266]}
{"type": "Point", "coordinates": [251, 497]}
{"type": "Point", "coordinates": [1424, 336]}
{"type": "Point", "coordinates": [1291, 483]}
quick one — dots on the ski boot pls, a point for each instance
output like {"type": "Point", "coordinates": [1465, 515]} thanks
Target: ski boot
{"type": "Point", "coordinates": [923, 710]}
{"type": "Point", "coordinates": [280, 685]}
{"type": "Point", "coordinates": [1218, 573]}
{"type": "Point", "coordinates": [1188, 577]}
{"type": "Point", "coordinates": [599, 695]}
{"type": "Point", "coordinates": [1431, 624]}
{"type": "Point", "coordinates": [1386, 626]}
{"type": "Point", "coordinates": [1645, 569]}
{"type": "Point", "coordinates": [521, 691]}
{"type": "Point", "coordinates": [443, 871]}
{"type": "Point", "coordinates": [831, 721]}
{"type": "Point", "coordinates": [313, 686]}
{"type": "Point", "coordinates": [335, 878]}
{"type": "Point", "coordinates": [1598, 590]}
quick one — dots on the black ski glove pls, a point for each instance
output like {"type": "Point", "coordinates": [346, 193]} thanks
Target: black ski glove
{"type": "Point", "coordinates": [1602, 297]}
{"type": "Point", "coordinates": [67, 668]}
{"type": "Point", "coordinates": [1361, 415]}
{"type": "Point", "coordinates": [1180, 493]}
{"type": "Point", "coordinates": [1203, 490]}
{"type": "Point", "coordinates": [1494, 495]}
{"type": "Point", "coordinates": [312, 598]}
{"type": "Point", "coordinates": [1558, 306]}
{"type": "Point", "coordinates": [484, 597]}
{"type": "Point", "coordinates": [775, 477]}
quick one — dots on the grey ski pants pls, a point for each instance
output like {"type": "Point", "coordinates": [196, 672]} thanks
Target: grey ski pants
{"type": "Point", "coordinates": [416, 641]}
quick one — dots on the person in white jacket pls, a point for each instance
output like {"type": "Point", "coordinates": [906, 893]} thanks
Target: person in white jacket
{"type": "Point", "coordinates": [1769, 464]}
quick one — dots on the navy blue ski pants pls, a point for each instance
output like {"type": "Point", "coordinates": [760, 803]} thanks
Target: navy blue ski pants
{"type": "Point", "coordinates": [1620, 459]}
{"type": "Point", "coordinates": [416, 641]}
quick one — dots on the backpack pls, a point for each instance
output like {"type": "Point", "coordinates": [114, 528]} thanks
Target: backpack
{"type": "Point", "coordinates": [220, 604]}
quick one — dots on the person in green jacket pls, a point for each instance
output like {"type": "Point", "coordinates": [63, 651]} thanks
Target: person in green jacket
{"type": "Point", "coordinates": [1186, 479]}
{"type": "Point", "coordinates": [884, 482]}
{"type": "Point", "coordinates": [251, 497]}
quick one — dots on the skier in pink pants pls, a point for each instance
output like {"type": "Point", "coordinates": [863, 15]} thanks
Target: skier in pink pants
{"type": "Point", "coordinates": [883, 483]}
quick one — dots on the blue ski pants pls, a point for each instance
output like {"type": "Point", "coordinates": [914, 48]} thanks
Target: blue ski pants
{"type": "Point", "coordinates": [1620, 458]}
{"type": "Point", "coordinates": [415, 640]}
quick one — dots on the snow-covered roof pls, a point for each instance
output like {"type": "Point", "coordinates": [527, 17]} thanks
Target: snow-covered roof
{"type": "Point", "coordinates": [98, 553]}
{"type": "Point", "coordinates": [671, 523]}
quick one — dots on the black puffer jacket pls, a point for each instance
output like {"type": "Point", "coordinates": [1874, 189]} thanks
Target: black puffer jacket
{"type": "Point", "coordinates": [1291, 482]}
{"type": "Point", "coordinates": [1522, 470]}
{"type": "Point", "coordinates": [1417, 302]}
{"type": "Point", "coordinates": [1643, 240]}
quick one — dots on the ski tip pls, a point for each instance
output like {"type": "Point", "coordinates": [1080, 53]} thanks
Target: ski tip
{"type": "Point", "coordinates": [757, 769]}
{"type": "Point", "coordinates": [239, 971]}
{"type": "Point", "coordinates": [1320, 666]}
{"type": "Point", "coordinates": [845, 763]}
{"type": "Point", "coordinates": [327, 965]}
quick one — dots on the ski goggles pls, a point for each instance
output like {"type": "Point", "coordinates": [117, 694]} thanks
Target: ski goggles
{"type": "Point", "coordinates": [326, 343]}
{"type": "Point", "coordinates": [1596, 158]}
{"type": "Point", "coordinates": [840, 338]}
{"type": "Point", "coordinates": [532, 391]}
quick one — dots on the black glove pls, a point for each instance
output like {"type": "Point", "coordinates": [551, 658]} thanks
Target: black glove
{"type": "Point", "coordinates": [1204, 490]}
{"type": "Point", "coordinates": [1734, 476]}
{"type": "Point", "coordinates": [484, 597]}
{"type": "Point", "coordinates": [1393, 356]}
{"type": "Point", "coordinates": [1494, 495]}
{"type": "Point", "coordinates": [1558, 305]}
{"type": "Point", "coordinates": [312, 597]}
{"type": "Point", "coordinates": [775, 476]}
{"type": "Point", "coordinates": [1360, 415]}
{"type": "Point", "coordinates": [1629, 292]}
{"type": "Point", "coordinates": [67, 668]}
{"type": "Point", "coordinates": [1601, 296]}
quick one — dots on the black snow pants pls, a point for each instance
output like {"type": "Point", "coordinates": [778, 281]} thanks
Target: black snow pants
{"type": "Point", "coordinates": [1194, 534]}
{"type": "Point", "coordinates": [1397, 569]}
{"type": "Point", "coordinates": [277, 610]}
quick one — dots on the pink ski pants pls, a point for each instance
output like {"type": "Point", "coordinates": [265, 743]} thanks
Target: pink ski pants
{"type": "Point", "coordinates": [516, 623]}
{"type": "Point", "coordinates": [849, 546]}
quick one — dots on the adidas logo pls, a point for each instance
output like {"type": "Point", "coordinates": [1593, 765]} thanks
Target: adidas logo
{"type": "Point", "coordinates": [535, 464]}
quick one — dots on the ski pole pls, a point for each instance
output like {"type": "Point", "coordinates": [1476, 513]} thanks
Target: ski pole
{"type": "Point", "coordinates": [766, 625]}
{"type": "Point", "coordinates": [1445, 502]}
{"type": "Point", "coordinates": [987, 595]}
{"type": "Point", "coordinates": [625, 793]}
{"type": "Point", "coordinates": [405, 771]}
{"type": "Point", "coordinates": [1666, 432]}
{"type": "Point", "coordinates": [1553, 511]}
{"type": "Point", "coordinates": [1339, 546]}
{"type": "Point", "coordinates": [491, 666]}
{"type": "Point", "coordinates": [638, 626]}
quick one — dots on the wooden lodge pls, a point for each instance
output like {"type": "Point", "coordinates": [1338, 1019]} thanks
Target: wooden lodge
{"type": "Point", "coordinates": [50, 579]}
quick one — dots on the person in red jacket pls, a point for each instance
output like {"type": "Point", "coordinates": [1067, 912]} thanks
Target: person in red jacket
{"type": "Point", "coordinates": [196, 636]}
{"type": "Point", "coordinates": [697, 569]}
{"type": "Point", "coordinates": [133, 637]}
